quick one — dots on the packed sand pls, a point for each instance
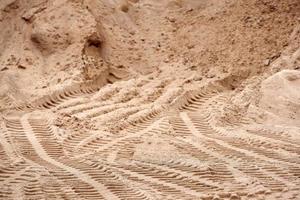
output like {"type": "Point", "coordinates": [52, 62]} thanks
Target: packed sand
{"type": "Point", "coordinates": [150, 99]}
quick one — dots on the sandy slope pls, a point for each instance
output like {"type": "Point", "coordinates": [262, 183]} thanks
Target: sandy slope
{"type": "Point", "coordinates": [147, 99]}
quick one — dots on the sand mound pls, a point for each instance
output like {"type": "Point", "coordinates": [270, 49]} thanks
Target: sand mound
{"type": "Point", "coordinates": [148, 99]}
{"type": "Point", "coordinates": [281, 95]}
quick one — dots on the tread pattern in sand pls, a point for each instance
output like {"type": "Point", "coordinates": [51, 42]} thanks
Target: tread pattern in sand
{"type": "Point", "coordinates": [167, 152]}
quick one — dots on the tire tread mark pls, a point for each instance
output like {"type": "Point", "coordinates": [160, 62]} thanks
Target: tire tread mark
{"type": "Point", "coordinates": [42, 154]}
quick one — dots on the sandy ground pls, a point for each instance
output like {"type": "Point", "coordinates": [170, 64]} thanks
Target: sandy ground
{"type": "Point", "coordinates": [148, 99]}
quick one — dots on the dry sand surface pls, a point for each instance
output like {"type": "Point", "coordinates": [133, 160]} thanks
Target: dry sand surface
{"type": "Point", "coordinates": [150, 99]}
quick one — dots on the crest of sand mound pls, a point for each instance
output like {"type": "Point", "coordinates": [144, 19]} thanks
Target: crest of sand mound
{"type": "Point", "coordinates": [281, 94]}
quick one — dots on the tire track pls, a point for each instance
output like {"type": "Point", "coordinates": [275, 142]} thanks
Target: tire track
{"type": "Point", "coordinates": [256, 144]}
{"type": "Point", "coordinates": [209, 162]}
{"type": "Point", "coordinates": [7, 148]}
{"type": "Point", "coordinates": [43, 155]}
{"type": "Point", "coordinates": [174, 173]}
{"type": "Point", "coordinates": [222, 144]}
{"type": "Point", "coordinates": [163, 185]}
{"type": "Point", "coordinates": [274, 136]}
{"type": "Point", "coordinates": [189, 123]}
{"type": "Point", "coordinates": [77, 90]}
{"type": "Point", "coordinates": [127, 136]}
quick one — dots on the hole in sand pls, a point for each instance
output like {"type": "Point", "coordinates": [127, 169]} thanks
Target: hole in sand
{"type": "Point", "coordinates": [124, 8]}
{"type": "Point", "coordinates": [94, 43]}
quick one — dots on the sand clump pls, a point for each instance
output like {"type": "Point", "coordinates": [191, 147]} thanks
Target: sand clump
{"type": "Point", "coordinates": [146, 99]}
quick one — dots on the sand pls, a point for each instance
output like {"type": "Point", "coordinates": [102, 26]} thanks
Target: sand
{"type": "Point", "coordinates": [147, 99]}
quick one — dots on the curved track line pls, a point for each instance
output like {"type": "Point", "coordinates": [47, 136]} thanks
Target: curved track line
{"type": "Point", "coordinates": [233, 165]}
{"type": "Point", "coordinates": [7, 147]}
{"type": "Point", "coordinates": [190, 176]}
{"type": "Point", "coordinates": [194, 130]}
{"type": "Point", "coordinates": [42, 154]}
{"type": "Point", "coordinates": [161, 182]}
{"type": "Point", "coordinates": [117, 140]}
{"type": "Point", "coordinates": [88, 139]}
{"type": "Point", "coordinates": [264, 138]}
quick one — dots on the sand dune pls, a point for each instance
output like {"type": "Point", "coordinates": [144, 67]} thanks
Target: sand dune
{"type": "Point", "coordinates": [144, 99]}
